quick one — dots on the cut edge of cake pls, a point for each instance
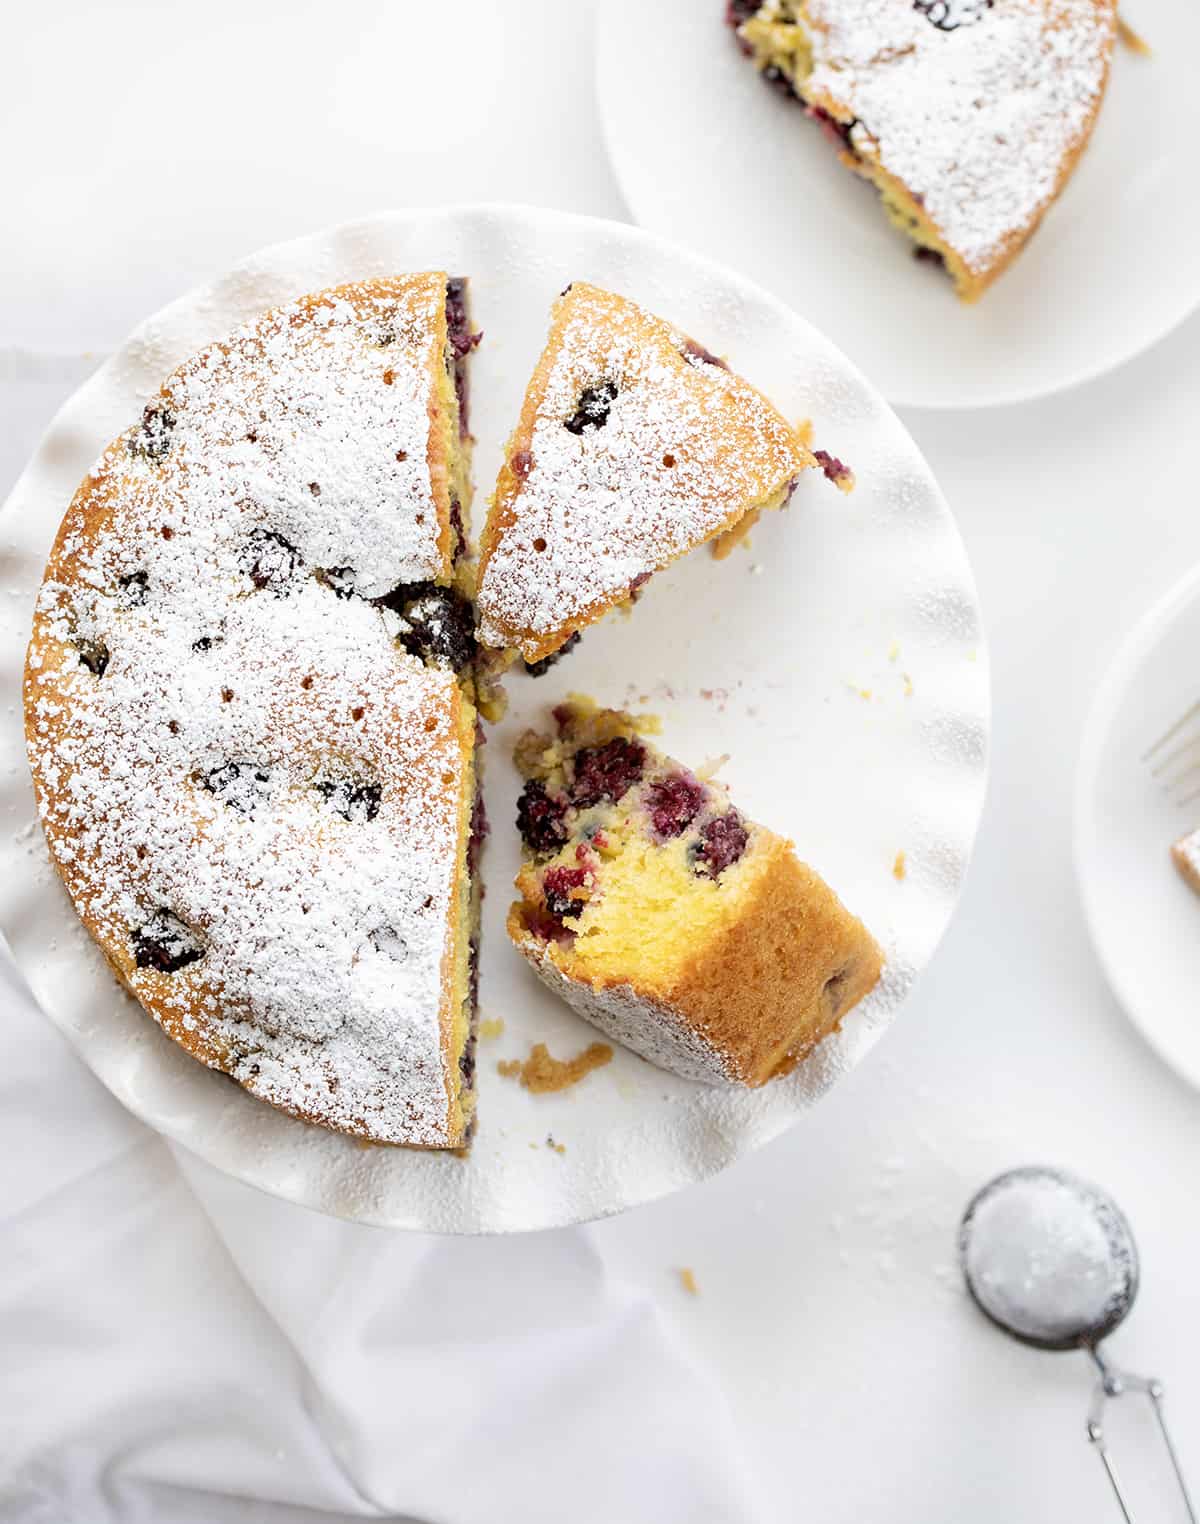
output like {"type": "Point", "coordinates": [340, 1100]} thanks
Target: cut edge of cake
{"type": "Point", "coordinates": [132, 464]}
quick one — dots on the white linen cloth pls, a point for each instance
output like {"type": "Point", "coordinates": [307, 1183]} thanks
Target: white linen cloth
{"type": "Point", "coordinates": [176, 1347]}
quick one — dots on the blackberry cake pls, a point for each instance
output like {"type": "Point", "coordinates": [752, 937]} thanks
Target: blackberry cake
{"type": "Point", "coordinates": [634, 445]}
{"type": "Point", "coordinates": [667, 918]}
{"type": "Point", "coordinates": [968, 116]}
{"type": "Point", "coordinates": [249, 702]}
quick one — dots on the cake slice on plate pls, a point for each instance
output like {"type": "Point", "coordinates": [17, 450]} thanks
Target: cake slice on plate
{"type": "Point", "coordinates": [634, 445]}
{"type": "Point", "coordinates": [668, 919]}
{"type": "Point", "coordinates": [1186, 856]}
{"type": "Point", "coordinates": [968, 116]}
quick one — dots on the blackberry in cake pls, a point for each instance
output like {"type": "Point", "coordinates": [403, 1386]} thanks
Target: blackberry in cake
{"type": "Point", "coordinates": [250, 710]}
{"type": "Point", "coordinates": [635, 444]}
{"type": "Point", "coordinates": [968, 116]}
{"type": "Point", "coordinates": [668, 918]}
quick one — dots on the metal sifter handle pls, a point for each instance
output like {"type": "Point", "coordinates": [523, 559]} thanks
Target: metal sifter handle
{"type": "Point", "coordinates": [1116, 1383]}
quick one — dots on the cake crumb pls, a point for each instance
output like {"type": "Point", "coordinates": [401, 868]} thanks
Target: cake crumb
{"type": "Point", "coordinates": [1134, 41]}
{"type": "Point", "coordinates": [541, 1072]}
{"type": "Point", "coordinates": [893, 650]}
{"type": "Point", "coordinates": [559, 1148]}
{"type": "Point", "coordinates": [900, 866]}
{"type": "Point", "coordinates": [687, 1279]}
{"type": "Point", "coordinates": [491, 1026]}
{"type": "Point", "coordinates": [908, 686]}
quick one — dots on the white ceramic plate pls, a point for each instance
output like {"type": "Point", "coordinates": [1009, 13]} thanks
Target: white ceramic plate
{"type": "Point", "coordinates": [1144, 920]}
{"type": "Point", "coordinates": [706, 152]}
{"type": "Point", "coordinates": [764, 656]}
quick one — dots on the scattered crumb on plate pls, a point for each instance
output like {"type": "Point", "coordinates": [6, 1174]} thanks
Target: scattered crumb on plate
{"type": "Point", "coordinates": [491, 1026]}
{"type": "Point", "coordinates": [900, 866]}
{"type": "Point", "coordinates": [541, 1072]}
{"type": "Point", "coordinates": [687, 1279]}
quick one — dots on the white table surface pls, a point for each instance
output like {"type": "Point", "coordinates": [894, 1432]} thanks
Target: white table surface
{"type": "Point", "coordinates": [153, 146]}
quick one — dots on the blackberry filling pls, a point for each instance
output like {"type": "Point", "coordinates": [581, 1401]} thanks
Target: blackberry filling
{"type": "Point", "coordinates": [480, 830]}
{"type": "Point", "coordinates": [702, 356]}
{"type": "Point", "coordinates": [458, 535]}
{"type": "Point", "coordinates": [357, 802]}
{"type": "Point", "coordinates": [672, 803]}
{"type": "Point", "coordinates": [240, 785]}
{"type": "Point", "coordinates": [269, 560]}
{"type": "Point", "coordinates": [556, 890]}
{"type": "Point", "coordinates": [436, 624]}
{"type": "Point", "coordinates": [836, 131]}
{"type": "Point", "coordinates": [607, 772]}
{"type": "Point", "coordinates": [462, 341]}
{"type": "Point", "coordinates": [835, 470]}
{"type": "Point", "coordinates": [540, 668]}
{"type": "Point", "coordinates": [592, 410]}
{"type": "Point", "coordinates": [949, 15]}
{"type": "Point", "coordinates": [722, 842]}
{"type": "Point", "coordinates": [541, 818]}
{"type": "Point", "coordinates": [165, 944]}
{"type": "Point", "coordinates": [133, 589]}
{"type": "Point", "coordinates": [94, 655]}
{"type": "Point", "coordinates": [738, 11]}
{"type": "Point", "coordinates": [153, 437]}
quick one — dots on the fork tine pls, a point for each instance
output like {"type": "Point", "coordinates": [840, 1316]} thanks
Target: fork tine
{"type": "Point", "coordinates": [1174, 730]}
{"type": "Point", "coordinates": [1185, 748]}
{"type": "Point", "coordinates": [1173, 780]}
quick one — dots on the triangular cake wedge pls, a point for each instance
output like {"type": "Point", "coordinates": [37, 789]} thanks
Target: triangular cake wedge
{"type": "Point", "coordinates": [634, 446]}
{"type": "Point", "coordinates": [669, 919]}
{"type": "Point", "coordinates": [968, 116]}
{"type": "Point", "coordinates": [1186, 856]}
{"type": "Point", "coordinates": [250, 717]}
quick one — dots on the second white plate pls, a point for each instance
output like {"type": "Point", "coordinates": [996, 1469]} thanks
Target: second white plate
{"type": "Point", "coordinates": [706, 153]}
{"type": "Point", "coordinates": [1144, 920]}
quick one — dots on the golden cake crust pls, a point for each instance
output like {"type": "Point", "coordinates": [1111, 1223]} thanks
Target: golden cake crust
{"type": "Point", "coordinates": [598, 491]}
{"type": "Point", "coordinates": [257, 800]}
{"type": "Point", "coordinates": [753, 1001]}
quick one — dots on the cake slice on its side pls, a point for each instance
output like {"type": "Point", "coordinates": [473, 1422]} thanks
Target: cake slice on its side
{"type": "Point", "coordinates": [669, 920]}
{"type": "Point", "coordinates": [968, 116]}
{"type": "Point", "coordinates": [634, 445]}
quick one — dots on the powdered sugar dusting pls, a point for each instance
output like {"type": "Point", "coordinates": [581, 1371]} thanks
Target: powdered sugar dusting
{"type": "Point", "coordinates": [655, 1030]}
{"type": "Point", "coordinates": [639, 448]}
{"type": "Point", "coordinates": [979, 121]}
{"type": "Point", "coordinates": [236, 765]}
{"type": "Point", "coordinates": [1047, 1255]}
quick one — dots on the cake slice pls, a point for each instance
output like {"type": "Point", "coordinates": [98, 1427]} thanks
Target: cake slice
{"type": "Point", "coordinates": [250, 717]}
{"type": "Point", "coordinates": [968, 116]}
{"type": "Point", "coordinates": [634, 445]}
{"type": "Point", "coordinates": [667, 918]}
{"type": "Point", "coordinates": [1186, 856]}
